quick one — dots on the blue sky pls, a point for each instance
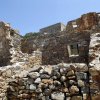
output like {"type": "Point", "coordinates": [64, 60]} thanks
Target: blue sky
{"type": "Point", "coordinates": [31, 15]}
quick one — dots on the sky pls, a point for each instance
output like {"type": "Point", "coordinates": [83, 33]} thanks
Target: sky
{"type": "Point", "coordinates": [32, 15]}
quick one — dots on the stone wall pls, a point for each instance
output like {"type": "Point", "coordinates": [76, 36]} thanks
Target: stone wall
{"type": "Point", "coordinates": [53, 28]}
{"type": "Point", "coordinates": [22, 64]}
{"type": "Point", "coordinates": [57, 82]}
{"type": "Point", "coordinates": [4, 43]}
{"type": "Point", "coordinates": [56, 50]}
{"type": "Point", "coordinates": [86, 22]}
{"type": "Point", "coordinates": [16, 38]}
{"type": "Point", "coordinates": [54, 47]}
{"type": "Point", "coordinates": [94, 65]}
{"type": "Point", "coordinates": [8, 41]}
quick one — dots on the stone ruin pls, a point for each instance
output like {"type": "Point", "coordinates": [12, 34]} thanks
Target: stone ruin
{"type": "Point", "coordinates": [9, 40]}
{"type": "Point", "coordinates": [60, 63]}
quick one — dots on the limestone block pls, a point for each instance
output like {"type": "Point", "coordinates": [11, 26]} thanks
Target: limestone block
{"type": "Point", "coordinates": [76, 98]}
{"type": "Point", "coordinates": [34, 75]}
{"type": "Point", "coordinates": [38, 80]}
{"type": "Point", "coordinates": [70, 73]}
{"type": "Point", "coordinates": [80, 83]}
{"type": "Point", "coordinates": [73, 89]}
{"type": "Point", "coordinates": [93, 71]}
{"type": "Point", "coordinates": [32, 87]}
{"type": "Point", "coordinates": [57, 96]}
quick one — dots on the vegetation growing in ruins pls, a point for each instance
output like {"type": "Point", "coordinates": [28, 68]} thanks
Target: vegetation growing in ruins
{"type": "Point", "coordinates": [30, 34]}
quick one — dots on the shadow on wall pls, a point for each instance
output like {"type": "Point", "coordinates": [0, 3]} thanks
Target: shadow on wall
{"type": "Point", "coordinates": [4, 61]}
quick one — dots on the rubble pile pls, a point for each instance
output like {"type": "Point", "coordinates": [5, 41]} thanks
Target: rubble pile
{"type": "Point", "coordinates": [21, 63]}
{"type": "Point", "coordinates": [57, 82]}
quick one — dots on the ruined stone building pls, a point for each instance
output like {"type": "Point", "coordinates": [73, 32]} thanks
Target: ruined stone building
{"type": "Point", "coordinates": [9, 39]}
{"type": "Point", "coordinates": [59, 43]}
{"type": "Point", "coordinates": [60, 62]}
